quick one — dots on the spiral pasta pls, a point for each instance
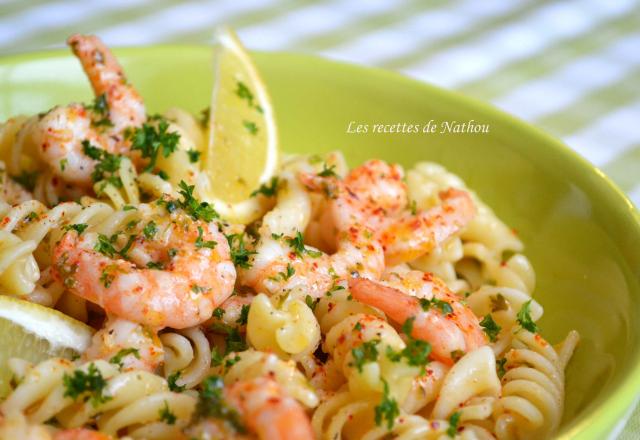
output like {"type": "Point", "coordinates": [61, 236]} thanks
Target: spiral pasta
{"type": "Point", "coordinates": [187, 352]}
{"type": "Point", "coordinates": [283, 325]}
{"type": "Point", "coordinates": [131, 402]}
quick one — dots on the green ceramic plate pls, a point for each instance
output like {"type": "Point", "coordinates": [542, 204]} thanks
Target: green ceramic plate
{"type": "Point", "coordinates": [581, 233]}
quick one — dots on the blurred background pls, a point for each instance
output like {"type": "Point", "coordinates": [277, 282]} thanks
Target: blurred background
{"type": "Point", "coordinates": [571, 67]}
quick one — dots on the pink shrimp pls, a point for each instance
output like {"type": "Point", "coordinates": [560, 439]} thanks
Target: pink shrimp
{"type": "Point", "coordinates": [136, 347]}
{"type": "Point", "coordinates": [62, 132]}
{"type": "Point", "coordinates": [374, 196]}
{"type": "Point", "coordinates": [268, 411]}
{"type": "Point", "coordinates": [81, 434]}
{"type": "Point", "coordinates": [411, 236]}
{"type": "Point", "coordinates": [447, 324]}
{"type": "Point", "coordinates": [172, 278]}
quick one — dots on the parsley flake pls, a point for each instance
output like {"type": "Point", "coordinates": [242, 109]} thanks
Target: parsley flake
{"type": "Point", "coordinates": [91, 384]}
{"type": "Point", "coordinates": [367, 352]}
{"type": "Point", "coordinates": [166, 415]}
{"type": "Point", "coordinates": [524, 318]}
{"type": "Point", "coordinates": [453, 424]}
{"type": "Point", "coordinates": [490, 327]}
{"type": "Point", "coordinates": [118, 358]}
{"type": "Point", "coordinates": [387, 409]}
{"type": "Point", "coordinates": [240, 255]}
{"type": "Point", "coordinates": [267, 190]}
{"type": "Point", "coordinates": [444, 306]}
{"type": "Point", "coordinates": [172, 382]}
{"type": "Point", "coordinates": [150, 140]}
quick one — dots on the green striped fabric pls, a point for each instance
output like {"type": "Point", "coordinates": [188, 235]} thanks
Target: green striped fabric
{"type": "Point", "coordinates": [571, 67]}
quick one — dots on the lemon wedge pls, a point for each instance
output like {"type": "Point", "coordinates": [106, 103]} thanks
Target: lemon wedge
{"type": "Point", "coordinates": [33, 332]}
{"type": "Point", "coordinates": [242, 150]}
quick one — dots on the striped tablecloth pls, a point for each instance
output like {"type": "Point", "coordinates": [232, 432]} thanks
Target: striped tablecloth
{"type": "Point", "coordinates": [571, 67]}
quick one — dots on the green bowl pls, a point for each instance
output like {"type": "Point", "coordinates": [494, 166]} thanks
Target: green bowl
{"type": "Point", "coordinates": [581, 233]}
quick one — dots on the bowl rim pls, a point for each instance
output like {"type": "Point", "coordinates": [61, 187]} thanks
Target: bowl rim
{"type": "Point", "coordinates": [614, 413]}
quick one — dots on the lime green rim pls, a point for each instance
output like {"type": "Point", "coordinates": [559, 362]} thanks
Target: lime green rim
{"type": "Point", "coordinates": [619, 403]}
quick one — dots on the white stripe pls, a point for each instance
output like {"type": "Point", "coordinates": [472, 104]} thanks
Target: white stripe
{"type": "Point", "coordinates": [525, 38]}
{"type": "Point", "coordinates": [317, 19]}
{"type": "Point", "coordinates": [610, 136]}
{"type": "Point", "coordinates": [57, 15]}
{"type": "Point", "coordinates": [557, 91]}
{"type": "Point", "coordinates": [407, 36]}
{"type": "Point", "coordinates": [634, 195]}
{"type": "Point", "coordinates": [185, 17]}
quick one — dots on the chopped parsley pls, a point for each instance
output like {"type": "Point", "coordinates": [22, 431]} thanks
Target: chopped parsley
{"type": "Point", "coordinates": [166, 415]}
{"type": "Point", "coordinates": [284, 276]}
{"type": "Point", "coordinates": [218, 312]}
{"type": "Point", "coordinates": [155, 265]}
{"type": "Point", "coordinates": [91, 384]}
{"type": "Point", "coordinates": [106, 278]}
{"type": "Point", "coordinates": [107, 167]}
{"type": "Point", "coordinates": [100, 107]}
{"type": "Point", "coordinates": [240, 255]}
{"type": "Point", "coordinates": [267, 190]}
{"type": "Point", "coordinates": [311, 303]}
{"type": "Point", "coordinates": [444, 306]}
{"type": "Point", "coordinates": [78, 227]}
{"type": "Point", "coordinates": [234, 340]}
{"type": "Point", "coordinates": [200, 243]}
{"type": "Point", "coordinates": [194, 155]}
{"type": "Point", "coordinates": [456, 355]}
{"type": "Point", "coordinates": [150, 230]}
{"type": "Point", "coordinates": [105, 246]}
{"type": "Point", "coordinates": [198, 289]}
{"type": "Point", "coordinates": [387, 409]}
{"type": "Point", "coordinates": [243, 92]}
{"type": "Point", "coordinates": [205, 117]}
{"type": "Point", "coordinates": [196, 209]}
{"type": "Point", "coordinates": [128, 208]}
{"type": "Point", "coordinates": [251, 127]}
{"type": "Point", "coordinates": [26, 179]}
{"type": "Point", "coordinates": [172, 382]}
{"type": "Point", "coordinates": [216, 357]}
{"type": "Point", "coordinates": [63, 164]}
{"type": "Point", "coordinates": [297, 245]}
{"type": "Point", "coordinates": [211, 403]}
{"type": "Point", "coordinates": [328, 171]}
{"type": "Point", "coordinates": [244, 315]}
{"type": "Point", "coordinates": [150, 140]}
{"type": "Point", "coordinates": [416, 351]}
{"type": "Point", "coordinates": [413, 208]}
{"type": "Point", "coordinates": [118, 358]}
{"type": "Point", "coordinates": [367, 352]}
{"type": "Point", "coordinates": [524, 318]}
{"type": "Point", "coordinates": [490, 327]}
{"type": "Point", "coordinates": [501, 370]}
{"type": "Point", "coordinates": [453, 424]}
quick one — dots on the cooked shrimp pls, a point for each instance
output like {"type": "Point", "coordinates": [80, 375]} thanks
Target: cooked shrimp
{"type": "Point", "coordinates": [369, 195]}
{"type": "Point", "coordinates": [124, 105]}
{"type": "Point", "coordinates": [374, 195]}
{"type": "Point", "coordinates": [268, 411]}
{"type": "Point", "coordinates": [60, 132]}
{"type": "Point", "coordinates": [174, 276]}
{"type": "Point", "coordinates": [81, 434]}
{"type": "Point", "coordinates": [411, 236]}
{"type": "Point", "coordinates": [137, 347]}
{"type": "Point", "coordinates": [282, 261]}
{"type": "Point", "coordinates": [448, 325]}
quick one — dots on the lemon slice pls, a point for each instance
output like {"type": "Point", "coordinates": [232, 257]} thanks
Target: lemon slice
{"type": "Point", "coordinates": [33, 332]}
{"type": "Point", "coordinates": [243, 143]}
